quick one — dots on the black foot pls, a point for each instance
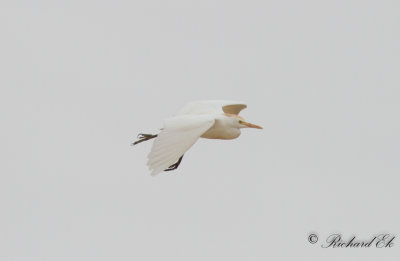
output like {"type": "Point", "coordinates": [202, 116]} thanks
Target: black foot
{"type": "Point", "coordinates": [175, 165]}
{"type": "Point", "coordinates": [143, 137]}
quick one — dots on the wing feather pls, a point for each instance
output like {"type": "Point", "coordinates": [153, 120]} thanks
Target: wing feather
{"type": "Point", "coordinates": [215, 106]}
{"type": "Point", "coordinates": [178, 135]}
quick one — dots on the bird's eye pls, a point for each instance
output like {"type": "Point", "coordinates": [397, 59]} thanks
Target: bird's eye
{"type": "Point", "coordinates": [240, 122]}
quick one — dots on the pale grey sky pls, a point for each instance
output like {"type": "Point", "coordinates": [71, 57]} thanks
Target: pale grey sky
{"type": "Point", "coordinates": [80, 79]}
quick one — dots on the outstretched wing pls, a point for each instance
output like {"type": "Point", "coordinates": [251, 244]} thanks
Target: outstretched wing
{"type": "Point", "coordinates": [233, 108]}
{"type": "Point", "coordinates": [217, 106]}
{"type": "Point", "coordinates": [177, 136]}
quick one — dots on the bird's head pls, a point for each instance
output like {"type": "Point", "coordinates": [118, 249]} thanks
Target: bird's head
{"type": "Point", "coordinates": [241, 123]}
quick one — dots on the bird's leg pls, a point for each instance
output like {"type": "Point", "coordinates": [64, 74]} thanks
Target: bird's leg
{"type": "Point", "coordinates": [143, 137]}
{"type": "Point", "coordinates": [175, 165]}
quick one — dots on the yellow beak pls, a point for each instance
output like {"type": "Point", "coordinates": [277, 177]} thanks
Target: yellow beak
{"type": "Point", "coordinates": [250, 125]}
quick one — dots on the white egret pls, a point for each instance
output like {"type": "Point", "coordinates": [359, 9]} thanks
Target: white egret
{"type": "Point", "coordinates": [205, 119]}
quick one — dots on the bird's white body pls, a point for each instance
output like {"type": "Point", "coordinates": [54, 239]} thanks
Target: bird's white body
{"type": "Point", "coordinates": [206, 119]}
{"type": "Point", "coordinates": [222, 129]}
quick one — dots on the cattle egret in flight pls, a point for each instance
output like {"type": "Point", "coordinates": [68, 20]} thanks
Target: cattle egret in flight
{"type": "Point", "coordinates": [201, 119]}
